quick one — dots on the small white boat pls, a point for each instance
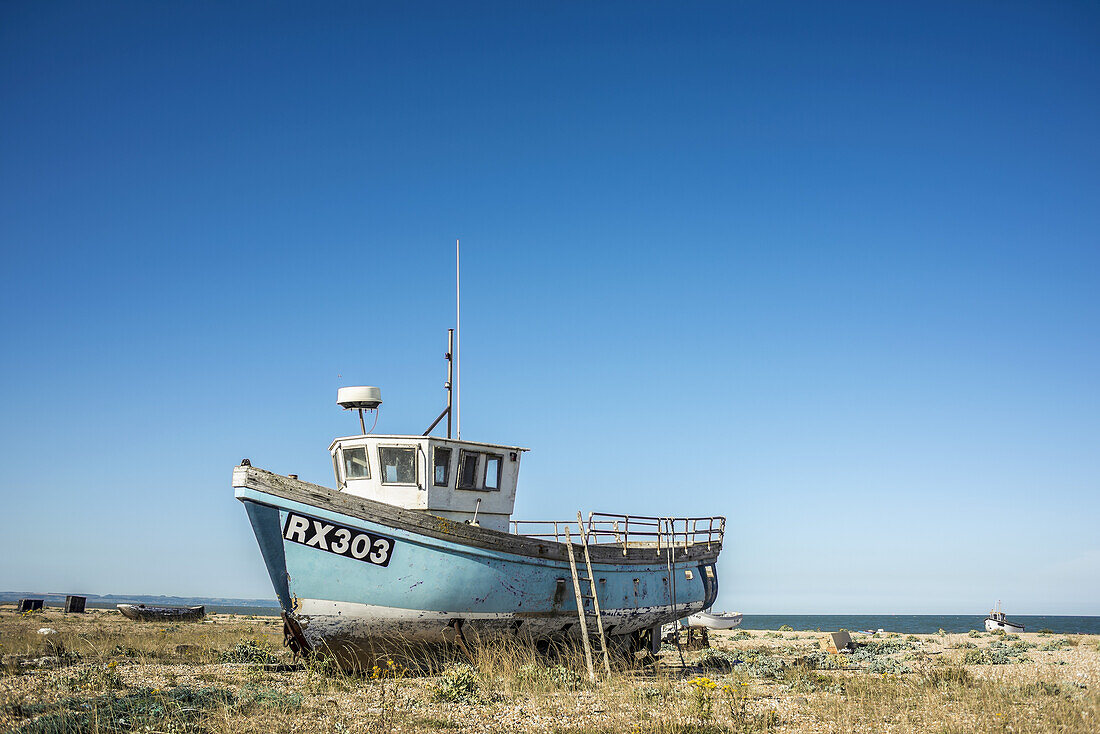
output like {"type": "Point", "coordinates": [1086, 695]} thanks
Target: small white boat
{"type": "Point", "coordinates": [720, 621]}
{"type": "Point", "coordinates": [996, 621]}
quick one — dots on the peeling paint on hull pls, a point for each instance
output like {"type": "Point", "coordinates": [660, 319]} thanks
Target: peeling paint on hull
{"type": "Point", "coordinates": [344, 624]}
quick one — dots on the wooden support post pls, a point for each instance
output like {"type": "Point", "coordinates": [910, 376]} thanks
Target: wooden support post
{"type": "Point", "coordinates": [580, 607]}
{"type": "Point", "coordinates": [460, 640]}
{"type": "Point", "coordinates": [595, 599]}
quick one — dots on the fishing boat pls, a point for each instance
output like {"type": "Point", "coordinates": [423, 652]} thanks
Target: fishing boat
{"type": "Point", "coordinates": [415, 541]}
{"type": "Point", "coordinates": [719, 621]}
{"type": "Point", "coordinates": [997, 621]}
{"type": "Point", "coordinates": [147, 613]}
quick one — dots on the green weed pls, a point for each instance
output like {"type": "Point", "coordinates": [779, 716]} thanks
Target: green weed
{"type": "Point", "coordinates": [459, 684]}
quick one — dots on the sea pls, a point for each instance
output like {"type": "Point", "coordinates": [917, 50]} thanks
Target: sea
{"type": "Point", "coordinates": [910, 624]}
{"type": "Point", "coordinates": [917, 624]}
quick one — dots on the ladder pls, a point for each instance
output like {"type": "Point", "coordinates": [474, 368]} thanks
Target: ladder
{"type": "Point", "coordinates": [581, 596]}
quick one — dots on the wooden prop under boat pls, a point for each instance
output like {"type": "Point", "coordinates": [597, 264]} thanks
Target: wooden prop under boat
{"type": "Point", "coordinates": [146, 613]}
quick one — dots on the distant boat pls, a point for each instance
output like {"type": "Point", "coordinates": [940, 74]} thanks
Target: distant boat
{"type": "Point", "coordinates": [996, 621]}
{"type": "Point", "coordinates": [145, 613]}
{"type": "Point", "coordinates": [720, 621]}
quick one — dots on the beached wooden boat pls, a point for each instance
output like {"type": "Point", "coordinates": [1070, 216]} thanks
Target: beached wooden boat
{"type": "Point", "coordinates": [147, 613]}
{"type": "Point", "coordinates": [416, 542]}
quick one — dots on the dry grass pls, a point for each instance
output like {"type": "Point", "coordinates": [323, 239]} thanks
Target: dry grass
{"type": "Point", "coordinates": [103, 635]}
{"type": "Point", "coordinates": [103, 673]}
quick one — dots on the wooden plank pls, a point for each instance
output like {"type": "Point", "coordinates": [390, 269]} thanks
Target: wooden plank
{"type": "Point", "coordinates": [30, 605]}
{"type": "Point", "coordinates": [837, 641]}
{"type": "Point", "coordinates": [580, 608]}
{"type": "Point", "coordinates": [595, 596]}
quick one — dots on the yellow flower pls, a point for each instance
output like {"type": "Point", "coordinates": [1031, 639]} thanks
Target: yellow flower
{"type": "Point", "coordinates": [112, 664]}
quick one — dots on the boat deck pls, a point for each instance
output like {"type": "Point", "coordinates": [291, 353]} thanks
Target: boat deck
{"type": "Point", "coordinates": [629, 531]}
{"type": "Point", "coordinates": [612, 538]}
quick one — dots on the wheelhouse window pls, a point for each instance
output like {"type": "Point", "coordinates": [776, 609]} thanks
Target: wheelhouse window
{"type": "Point", "coordinates": [355, 463]}
{"type": "Point", "coordinates": [467, 471]}
{"type": "Point", "coordinates": [442, 467]}
{"type": "Point", "coordinates": [398, 464]}
{"type": "Point", "coordinates": [492, 471]}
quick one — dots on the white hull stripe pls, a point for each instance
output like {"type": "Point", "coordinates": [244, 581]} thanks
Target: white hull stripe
{"type": "Point", "coordinates": [373, 612]}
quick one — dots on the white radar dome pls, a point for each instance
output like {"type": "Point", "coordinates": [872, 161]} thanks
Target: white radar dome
{"type": "Point", "coordinates": [361, 398]}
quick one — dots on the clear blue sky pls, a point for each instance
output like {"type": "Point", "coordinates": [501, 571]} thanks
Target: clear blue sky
{"type": "Point", "coordinates": [832, 271]}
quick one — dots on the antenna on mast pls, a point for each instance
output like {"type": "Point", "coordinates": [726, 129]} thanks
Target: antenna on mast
{"type": "Point", "coordinates": [458, 330]}
{"type": "Point", "coordinates": [451, 412]}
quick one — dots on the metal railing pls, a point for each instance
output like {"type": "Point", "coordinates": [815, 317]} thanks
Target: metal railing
{"type": "Point", "coordinates": [630, 531]}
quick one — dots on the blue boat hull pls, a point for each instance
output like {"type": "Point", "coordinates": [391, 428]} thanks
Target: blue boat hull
{"type": "Point", "coordinates": [345, 579]}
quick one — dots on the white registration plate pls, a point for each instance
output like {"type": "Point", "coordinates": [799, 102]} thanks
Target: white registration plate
{"type": "Point", "coordinates": [342, 541]}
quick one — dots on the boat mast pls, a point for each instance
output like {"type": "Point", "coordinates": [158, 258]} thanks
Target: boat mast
{"type": "Point", "coordinates": [458, 329]}
{"type": "Point", "coordinates": [452, 410]}
{"type": "Point", "coordinates": [450, 375]}
{"type": "Point", "coordinates": [449, 385]}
